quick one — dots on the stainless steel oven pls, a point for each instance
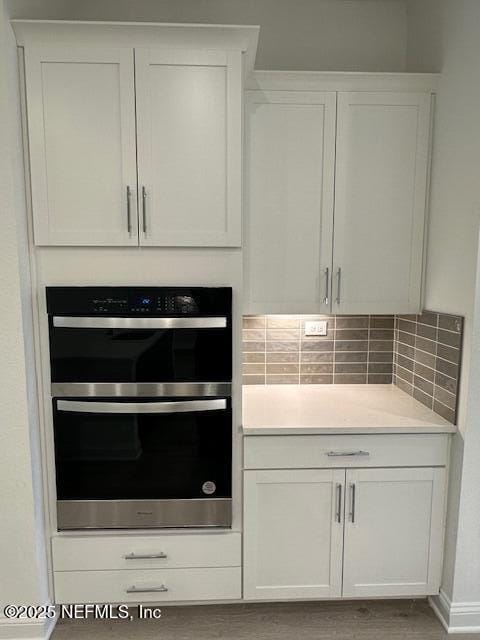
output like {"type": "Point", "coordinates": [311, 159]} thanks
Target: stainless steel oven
{"type": "Point", "coordinates": [142, 418]}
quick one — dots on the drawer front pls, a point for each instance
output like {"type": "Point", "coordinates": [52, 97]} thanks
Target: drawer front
{"type": "Point", "coordinates": [154, 585]}
{"type": "Point", "coordinates": [335, 451]}
{"type": "Point", "coordinates": [163, 551]}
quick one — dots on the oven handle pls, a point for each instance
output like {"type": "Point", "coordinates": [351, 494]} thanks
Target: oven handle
{"type": "Point", "coordinates": [180, 406]}
{"type": "Point", "coordinates": [81, 322]}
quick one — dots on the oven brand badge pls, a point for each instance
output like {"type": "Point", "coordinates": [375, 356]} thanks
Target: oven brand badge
{"type": "Point", "coordinates": [209, 487]}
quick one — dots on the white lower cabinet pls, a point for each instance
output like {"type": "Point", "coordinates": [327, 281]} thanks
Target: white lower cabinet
{"type": "Point", "coordinates": [154, 585]}
{"type": "Point", "coordinates": [326, 533]}
{"type": "Point", "coordinates": [167, 567]}
{"type": "Point", "coordinates": [293, 534]}
{"type": "Point", "coordinates": [393, 532]}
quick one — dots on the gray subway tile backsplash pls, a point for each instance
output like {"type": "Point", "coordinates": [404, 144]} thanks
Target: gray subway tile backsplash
{"type": "Point", "coordinates": [427, 359]}
{"type": "Point", "coordinates": [356, 350]}
{"type": "Point", "coordinates": [420, 354]}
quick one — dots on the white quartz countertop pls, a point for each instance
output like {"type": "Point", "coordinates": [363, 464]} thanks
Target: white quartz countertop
{"type": "Point", "coordinates": [309, 409]}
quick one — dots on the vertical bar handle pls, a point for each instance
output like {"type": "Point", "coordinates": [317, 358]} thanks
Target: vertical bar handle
{"type": "Point", "coordinates": [129, 210]}
{"type": "Point", "coordinates": [352, 502]}
{"type": "Point", "coordinates": [339, 285]}
{"type": "Point", "coordinates": [144, 209]}
{"type": "Point", "coordinates": [327, 285]}
{"type": "Point", "coordinates": [338, 503]}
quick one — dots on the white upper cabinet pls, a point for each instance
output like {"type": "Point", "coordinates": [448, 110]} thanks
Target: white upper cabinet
{"type": "Point", "coordinates": [336, 193]}
{"type": "Point", "coordinates": [290, 152]}
{"type": "Point", "coordinates": [135, 131]}
{"type": "Point", "coordinates": [189, 106]}
{"type": "Point", "coordinates": [81, 124]}
{"type": "Point", "coordinates": [380, 197]}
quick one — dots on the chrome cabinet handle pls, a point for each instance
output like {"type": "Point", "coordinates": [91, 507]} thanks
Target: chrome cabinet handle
{"type": "Point", "coordinates": [352, 502]}
{"type": "Point", "coordinates": [342, 454]}
{"type": "Point", "coordinates": [144, 209]}
{"type": "Point", "coordinates": [327, 285]}
{"type": "Point", "coordinates": [129, 210]}
{"type": "Point", "coordinates": [338, 505]}
{"type": "Point", "coordinates": [144, 556]}
{"type": "Point", "coordinates": [339, 285]}
{"type": "Point", "coordinates": [181, 406]}
{"type": "Point", "coordinates": [133, 589]}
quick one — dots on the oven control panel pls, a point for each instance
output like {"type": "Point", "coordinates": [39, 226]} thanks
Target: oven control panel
{"type": "Point", "coordinates": [135, 301]}
{"type": "Point", "coordinates": [145, 303]}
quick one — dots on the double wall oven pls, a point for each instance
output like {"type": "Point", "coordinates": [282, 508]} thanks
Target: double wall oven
{"type": "Point", "coordinates": [142, 418]}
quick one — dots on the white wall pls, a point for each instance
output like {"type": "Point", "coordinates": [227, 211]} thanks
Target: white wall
{"type": "Point", "coordinates": [445, 34]}
{"type": "Point", "coordinates": [23, 564]}
{"type": "Point", "coordinates": [353, 35]}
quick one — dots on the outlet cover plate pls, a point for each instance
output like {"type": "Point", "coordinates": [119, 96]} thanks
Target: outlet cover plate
{"type": "Point", "coordinates": [316, 327]}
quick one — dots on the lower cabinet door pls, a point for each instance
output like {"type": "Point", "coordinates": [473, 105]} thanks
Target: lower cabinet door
{"type": "Point", "coordinates": [293, 533]}
{"type": "Point", "coordinates": [393, 532]}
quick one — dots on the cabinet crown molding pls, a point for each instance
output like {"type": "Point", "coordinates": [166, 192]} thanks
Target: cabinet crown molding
{"type": "Point", "coordinates": [242, 38]}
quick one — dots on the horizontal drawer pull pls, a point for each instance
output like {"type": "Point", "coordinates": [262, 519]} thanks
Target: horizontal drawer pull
{"type": "Point", "coordinates": [74, 322]}
{"type": "Point", "coordinates": [182, 406]}
{"type": "Point", "coordinates": [161, 589]}
{"type": "Point", "coordinates": [341, 454]}
{"type": "Point", "coordinates": [144, 556]}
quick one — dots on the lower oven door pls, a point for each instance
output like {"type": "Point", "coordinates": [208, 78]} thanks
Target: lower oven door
{"type": "Point", "coordinates": [143, 463]}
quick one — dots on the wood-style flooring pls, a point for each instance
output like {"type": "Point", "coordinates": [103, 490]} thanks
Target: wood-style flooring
{"type": "Point", "coordinates": [354, 620]}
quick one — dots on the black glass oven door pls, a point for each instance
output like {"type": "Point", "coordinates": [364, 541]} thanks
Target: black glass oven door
{"type": "Point", "coordinates": [140, 350]}
{"type": "Point", "coordinates": [147, 450]}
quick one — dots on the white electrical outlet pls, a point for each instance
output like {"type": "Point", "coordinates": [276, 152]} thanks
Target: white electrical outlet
{"type": "Point", "coordinates": [316, 328]}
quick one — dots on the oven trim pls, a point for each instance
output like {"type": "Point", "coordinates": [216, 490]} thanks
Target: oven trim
{"type": "Point", "coordinates": [140, 389]}
{"type": "Point", "coordinates": [144, 514]}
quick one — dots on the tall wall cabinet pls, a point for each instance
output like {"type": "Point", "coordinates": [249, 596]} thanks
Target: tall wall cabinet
{"type": "Point", "coordinates": [133, 139]}
{"type": "Point", "coordinates": [336, 193]}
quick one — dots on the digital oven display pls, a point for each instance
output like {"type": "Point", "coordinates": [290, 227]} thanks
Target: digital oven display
{"type": "Point", "coordinates": [143, 301]}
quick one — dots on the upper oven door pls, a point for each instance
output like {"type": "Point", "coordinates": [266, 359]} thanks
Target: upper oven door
{"type": "Point", "coordinates": [140, 349]}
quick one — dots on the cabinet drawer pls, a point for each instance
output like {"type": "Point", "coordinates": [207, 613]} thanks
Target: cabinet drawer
{"type": "Point", "coordinates": [334, 451]}
{"type": "Point", "coordinates": [84, 553]}
{"type": "Point", "coordinates": [154, 585]}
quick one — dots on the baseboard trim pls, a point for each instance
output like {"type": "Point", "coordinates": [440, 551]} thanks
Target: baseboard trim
{"type": "Point", "coordinates": [456, 617]}
{"type": "Point", "coordinates": [26, 629]}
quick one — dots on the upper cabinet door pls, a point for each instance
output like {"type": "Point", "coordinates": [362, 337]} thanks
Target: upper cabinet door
{"type": "Point", "coordinates": [290, 157]}
{"type": "Point", "coordinates": [380, 201]}
{"type": "Point", "coordinates": [189, 106]}
{"type": "Point", "coordinates": [81, 122]}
